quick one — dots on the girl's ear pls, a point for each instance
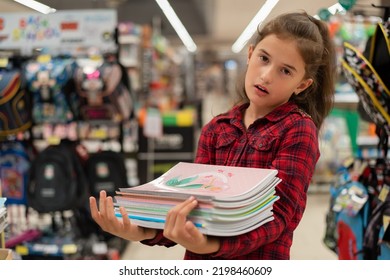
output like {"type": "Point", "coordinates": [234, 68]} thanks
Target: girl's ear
{"type": "Point", "coordinates": [250, 52]}
{"type": "Point", "coordinates": [303, 85]}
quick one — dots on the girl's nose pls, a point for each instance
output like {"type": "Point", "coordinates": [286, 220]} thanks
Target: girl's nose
{"type": "Point", "coordinates": [266, 75]}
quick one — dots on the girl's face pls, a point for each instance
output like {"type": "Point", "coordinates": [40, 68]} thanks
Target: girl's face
{"type": "Point", "coordinates": [276, 71]}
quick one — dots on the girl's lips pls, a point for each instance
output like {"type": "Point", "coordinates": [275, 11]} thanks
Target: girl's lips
{"type": "Point", "coordinates": [262, 89]}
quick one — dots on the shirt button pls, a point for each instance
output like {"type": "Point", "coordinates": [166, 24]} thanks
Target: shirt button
{"type": "Point", "coordinates": [243, 140]}
{"type": "Point", "coordinates": [260, 145]}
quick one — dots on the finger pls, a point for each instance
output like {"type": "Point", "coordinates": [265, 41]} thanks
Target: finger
{"type": "Point", "coordinates": [178, 215]}
{"type": "Point", "coordinates": [182, 222]}
{"type": "Point", "coordinates": [110, 211]}
{"type": "Point", "coordinates": [102, 203]}
{"type": "Point", "coordinates": [170, 219]}
{"type": "Point", "coordinates": [125, 217]}
{"type": "Point", "coordinates": [186, 208]}
{"type": "Point", "coordinates": [94, 209]}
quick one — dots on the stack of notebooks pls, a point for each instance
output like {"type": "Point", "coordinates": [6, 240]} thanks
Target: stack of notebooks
{"type": "Point", "coordinates": [231, 200]}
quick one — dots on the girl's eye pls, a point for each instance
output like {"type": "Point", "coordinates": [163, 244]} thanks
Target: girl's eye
{"type": "Point", "coordinates": [263, 58]}
{"type": "Point", "coordinates": [286, 71]}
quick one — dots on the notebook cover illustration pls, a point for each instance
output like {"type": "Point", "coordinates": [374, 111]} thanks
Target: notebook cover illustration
{"type": "Point", "coordinates": [220, 183]}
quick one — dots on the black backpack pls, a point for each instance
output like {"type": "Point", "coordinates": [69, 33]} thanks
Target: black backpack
{"type": "Point", "coordinates": [57, 180]}
{"type": "Point", "coordinates": [106, 170]}
{"type": "Point", "coordinates": [376, 243]}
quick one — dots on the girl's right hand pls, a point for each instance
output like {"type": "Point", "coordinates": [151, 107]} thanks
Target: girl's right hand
{"type": "Point", "coordinates": [106, 219]}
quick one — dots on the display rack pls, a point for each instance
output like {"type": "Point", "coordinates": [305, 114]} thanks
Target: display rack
{"type": "Point", "coordinates": [177, 143]}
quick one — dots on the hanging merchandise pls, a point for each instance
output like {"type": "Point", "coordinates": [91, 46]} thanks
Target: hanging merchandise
{"type": "Point", "coordinates": [348, 214]}
{"type": "Point", "coordinates": [377, 238]}
{"type": "Point", "coordinates": [342, 178]}
{"type": "Point", "coordinates": [103, 93]}
{"type": "Point", "coordinates": [14, 102]}
{"type": "Point", "coordinates": [14, 169]}
{"type": "Point", "coordinates": [368, 84]}
{"type": "Point", "coordinates": [106, 171]}
{"type": "Point", "coordinates": [379, 53]}
{"type": "Point", "coordinates": [324, 14]}
{"type": "Point", "coordinates": [48, 81]}
{"type": "Point", "coordinates": [352, 217]}
{"type": "Point", "coordinates": [357, 222]}
{"type": "Point", "coordinates": [347, 4]}
{"type": "Point", "coordinates": [57, 180]}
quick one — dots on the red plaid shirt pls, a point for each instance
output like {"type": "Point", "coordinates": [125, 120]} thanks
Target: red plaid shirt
{"type": "Point", "coordinates": [286, 140]}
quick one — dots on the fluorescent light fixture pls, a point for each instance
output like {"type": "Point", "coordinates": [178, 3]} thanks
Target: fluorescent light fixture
{"type": "Point", "coordinates": [35, 5]}
{"type": "Point", "coordinates": [252, 26]}
{"type": "Point", "coordinates": [177, 25]}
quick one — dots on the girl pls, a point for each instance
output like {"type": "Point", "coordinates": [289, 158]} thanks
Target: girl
{"type": "Point", "coordinates": [288, 91]}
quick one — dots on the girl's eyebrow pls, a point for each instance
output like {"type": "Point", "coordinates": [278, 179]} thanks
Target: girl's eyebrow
{"type": "Point", "coordinates": [292, 68]}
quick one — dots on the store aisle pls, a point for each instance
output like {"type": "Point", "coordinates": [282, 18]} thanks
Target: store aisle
{"type": "Point", "coordinates": [307, 241]}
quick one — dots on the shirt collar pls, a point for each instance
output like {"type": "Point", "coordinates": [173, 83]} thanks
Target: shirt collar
{"type": "Point", "coordinates": [276, 115]}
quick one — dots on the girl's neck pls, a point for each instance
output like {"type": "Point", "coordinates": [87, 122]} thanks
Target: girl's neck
{"type": "Point", "coordinates": [249, 116]}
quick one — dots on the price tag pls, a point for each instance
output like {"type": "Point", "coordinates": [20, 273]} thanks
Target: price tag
{"type": "Point", "coordinates": [100, 133]}
{"type": "Point", "coordinates": [3, 62]}
{"type": "Point", "coordinates": [384, 193]}
{"type": "Point", "coordinates": [69, 249]}
{"type": "Point", "coordinates": [22, 250]}
{"type": "Point", "coordinates": [53, 140]}
{"type": "Point", "coordinates": [44, 58]}
{"type": "Point", "coordinates": [386, 222]}
{"type": "Point", "coordinates": [95, 57]}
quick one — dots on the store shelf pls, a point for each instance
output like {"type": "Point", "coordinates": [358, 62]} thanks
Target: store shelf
{"type": "Point", "coordinates": [351, 98]}
{"type": "Point", "coordinates": [367, 140]}
{"type": "Point", "coordinates": [129, 39]}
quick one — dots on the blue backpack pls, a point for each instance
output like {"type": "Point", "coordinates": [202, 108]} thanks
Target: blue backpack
{"type": "Point", "coordinates": [330, 239]}
{"type": "Point", "coordinates": [352, 214]}
{"type": "Point", "coordinates": [53, 96]}
{"type": "Point", "coordinates": [14, 172]}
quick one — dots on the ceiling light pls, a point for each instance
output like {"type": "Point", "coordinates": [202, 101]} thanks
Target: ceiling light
{"type": "Point", "coordinates": [42, 8]}
{"type": "Point", "coordinates": [253, 25]}
{"type": "Point", "coordinates": [177, 25]}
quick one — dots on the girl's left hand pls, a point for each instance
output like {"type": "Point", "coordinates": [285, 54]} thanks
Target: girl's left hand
{"type": "Point", "coordinates": [184, 232]}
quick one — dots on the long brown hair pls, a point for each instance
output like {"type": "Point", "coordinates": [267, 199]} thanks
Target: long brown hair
{"type": "Point", "coordinates": [317, 50]}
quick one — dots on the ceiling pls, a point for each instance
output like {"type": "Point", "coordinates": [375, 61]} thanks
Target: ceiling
{"type": "Point", "coordinates": [211, 23]}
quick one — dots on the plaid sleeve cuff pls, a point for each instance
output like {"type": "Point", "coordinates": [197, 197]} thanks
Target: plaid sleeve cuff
{"type": "Point", "coordinates": [160, 240]}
